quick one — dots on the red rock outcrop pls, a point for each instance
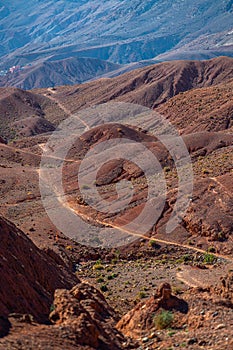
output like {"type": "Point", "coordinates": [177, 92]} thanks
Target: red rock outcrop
{"type": "Point", "coordinates": [28, 276]}
{"type": "Point", "coordinates": [140, 319]}
{"type": "Point", "coordinates": [88, 316]}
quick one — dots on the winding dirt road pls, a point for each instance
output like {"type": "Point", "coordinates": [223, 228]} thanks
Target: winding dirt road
{"type": "Point", "coordinates": [86, 217]}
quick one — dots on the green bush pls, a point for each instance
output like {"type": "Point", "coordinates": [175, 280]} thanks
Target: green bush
{"type": "Point", "coordinates": [152, 243]}
{"type": "Point", "coordinates": [103, 288]}
{"type": "Point", "coordinates": [163, 320]}
{"type": "Point", "coordinates": [209, 258]}
{"type": "Point", "coordinates": [52, 307]}
{"type": "Point", "coordinates": [112, 276]}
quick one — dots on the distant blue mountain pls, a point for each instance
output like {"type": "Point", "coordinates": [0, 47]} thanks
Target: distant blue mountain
{"type": "Point", "coordinates": [121, 31]}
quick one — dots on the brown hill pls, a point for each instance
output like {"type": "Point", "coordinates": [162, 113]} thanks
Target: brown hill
{"type": "Point", "coordinates": [211, 152]}
{"type": "Point", "coordinates": [28, 280]}
{"type": "Point", "coordinates": [209, 109]}
{"type": "Point", "coordinates": [24, 113]}
{"type": "Point", "coordinates": [149, 86]}
{"type": "Point", "coordinates": [51, 73]}
{"type": "Point", "coordinates": [211, 155]}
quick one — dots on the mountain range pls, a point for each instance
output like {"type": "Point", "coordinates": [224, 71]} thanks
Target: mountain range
{"type": "Point", "coordinates": [121, 32]}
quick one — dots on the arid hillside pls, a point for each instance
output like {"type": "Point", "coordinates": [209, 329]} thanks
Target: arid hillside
{"type": "Point", "coordinates": [49, 73]}
{"type": "Point", "coordinates": [185, 272]}
{"type": "Point", "coordinates": [149, 86]}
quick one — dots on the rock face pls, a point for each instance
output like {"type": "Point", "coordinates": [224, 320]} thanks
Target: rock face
{"type": "Point", "coordinates": [225, 288]}
{"type": "Point", "coordinates": [5, 326]}
{"type": "Point", "coordinates": [81, 319]}
{"type": "Point", "coordinates": [140, 319]}
{"type": "Point", "coordinates": [89, 317]}
{"type": "Point", "coordinates": [28, 277]}
{"type": "Point", "coordinates": [32, 126]}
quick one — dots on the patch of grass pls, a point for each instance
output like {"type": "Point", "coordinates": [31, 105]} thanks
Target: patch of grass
{"type": "Point", "coordinates": [184, 258]}
{"type": "Point", "coordinates": [112, 276]}
{"type": "Point", "coordinates": [116, 259]}
{"type": "Point", "coordinates": [205, 171]}
{"type": "Point", "coordinates": [211, 250]}
{"type": "Point", "coordinates": [98, 265]}
{"type": "Point", "coordinates": [171, 333]}
{"type": "Point", "coordinates": [166, 169]}
{"type": "Point", "coordinates": [209, 258]}
{"type": "Point", "coordinates": [52, 307]}
{"type": "Point", "coordinates": [164, 319]}
{"type": "Point", "coordinates": [141, 295]}
{"type": "Point", "coordinates": [221, 236]}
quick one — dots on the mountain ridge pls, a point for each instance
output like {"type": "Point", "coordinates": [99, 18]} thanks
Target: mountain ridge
{"type": "Point", "coordinates": [50, 73]}
{"type": "Point", "coordinates": [114, 30]}
{"type": "Point", "coordinates": [149, 86]}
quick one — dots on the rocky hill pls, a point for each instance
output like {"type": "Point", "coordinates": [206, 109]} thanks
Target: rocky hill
{"type": "Point", "coordinates": [25, 114]}
{"type": "Point", "coordinates": [149, 86]}
{"type": "Point", "coordinates": [29, 276]}
{"type": "Point", "coordinates": [29, 113]}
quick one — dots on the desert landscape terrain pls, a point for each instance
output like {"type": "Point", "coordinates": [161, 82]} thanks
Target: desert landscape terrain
{"type": "Point", "coordinates": [124, 287]}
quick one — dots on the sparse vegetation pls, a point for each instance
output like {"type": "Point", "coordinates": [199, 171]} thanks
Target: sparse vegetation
{"type": "Point", "coordinates": [100, 280]}
{"type": "Point", "coordinates": [103, 288]}
{"type": "Point", "coordinates": [209, 258]}
{"type": "Point", "coordinates": [112, 276]}
{"type": "Point", "coordinates": [152, 243]}
{"type": "Point", "coordinates": [211, 250]}
{"type": "Point", "coordinates": [164, 319]}
{"type": "Point", "coordinates": [98, 265]}
{"type": "Point", "coordinates": [141, 295]}
{"type": "Point", "coordinates": [52, 307]}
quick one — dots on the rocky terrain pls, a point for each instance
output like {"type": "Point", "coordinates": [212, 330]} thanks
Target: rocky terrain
{"type": "Point", "coordinates": [30, 275]}
{"type": "Point", "coordinates": [161, 290]}
{"type": "Point", "coordinates": [148, 86]}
